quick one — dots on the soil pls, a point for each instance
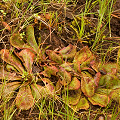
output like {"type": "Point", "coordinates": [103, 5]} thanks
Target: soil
{"type": "Point", "coordinates": [59, 39]}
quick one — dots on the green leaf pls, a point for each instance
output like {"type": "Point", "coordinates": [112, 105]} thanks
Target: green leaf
{"type": "Point", "coordinates": [28, 58]}
{"type": "Point", "coordinates": [11, 59]}
{"type": "Point", "coordinates": [115, 95]}
{"type": "Point", "coordinates": [54, 57]}
{"type": "Point", "coordinates": [68, 52]}
{"type": "Point", "coordinates": [17, 41]}
{"type": "Point", "coordinates": [74, 85]}
{"type": "Point", "coordinates": [65, 76]}
{"type": "Point", "coordinates": [73, 96]}
{"type": "Point", "coordinates": [24, 99]}
{"type": "Point", "coordinates": [87, 85]}
{"type": "Point", "coordinates": [38, 91]}
{"type": "Point", "coordinates": [99, 99]}
{"type": "Point", "coordinates": [31, 38]}
{"type": "Point", "coordinates": [82, 104]}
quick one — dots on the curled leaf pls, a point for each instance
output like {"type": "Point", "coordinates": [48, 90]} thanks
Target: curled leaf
{"type": "Point", "coordinates": [24, 99]}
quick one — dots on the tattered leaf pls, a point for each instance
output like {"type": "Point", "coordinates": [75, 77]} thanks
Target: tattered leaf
{"type": "Point", "coordinates": [24, 99]}
{"type": "Point", "coordinates": [71, 97]}
{"type": "Point", "coordinates": [99, 99]}
{"type": "Point", "coordinates": [31, 38]}
{"type": "Point", "coordinates": [12, 59]}
{"type": "Point", "coordinates": [28, 57]}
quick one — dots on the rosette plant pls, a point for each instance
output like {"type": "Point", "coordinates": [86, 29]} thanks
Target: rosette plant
{"type": "Point", "coordinates": [18, 74]}
{"type": "Point", "coordinates": [74, 72]}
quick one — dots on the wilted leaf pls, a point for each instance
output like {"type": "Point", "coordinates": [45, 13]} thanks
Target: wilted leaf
{"type": "Point", "coordinates": [99, 99]}
{"type": "Point", "coordinates": [11, 59]}
{"type": "Point", "coordinates": [87, 85]}
{"type": "Point", "coordinates": [82, 104]}
{"type": "Point", "coordinates": [68, 52]}
{"type": "Point", "coordinates": [54, 57]}
{"type": "Point", "coordinates": [65, 76]}
{"type": "Point", "coordinates": [58, 87]}
{"type": "Point", "coordinates": [74, 85]}
{"type": "Point", "coordinates": [24, 99]}
{"type": "Point", "coordinates": [18, 42]}
{"type": "Point", "coordinates": [6, 26]}
{"type": "Point", "coordinates": [28, 57]}
{"type": "Point", "coordinates": [7, 90]}
{"type": "Point", "coordinates": [71, 97]}
{"type": "Point", "coordinates": [31, 38]}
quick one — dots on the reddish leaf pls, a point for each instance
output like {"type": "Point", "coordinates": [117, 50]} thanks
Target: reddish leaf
{"type": "Point", "coordinates": [99, 99]}
{"type": "Point", "coordinates": [7, 90]}
{"type": "Point", "coordinates": [24, 99]}
{"type": "Point", "coordinates": [49, 70]}
{"type": "Point", "coordinates": [6, 26]}
{"type": "Point", "coordinates": [8, 75]}
{"type": "Point", "coordinates": [58, 87]}
{"type": "Point", "coordinates": [97, 78]}
{"type": "Point", "coordinates": [28, 57]}
{"type": "Point", "coordinates": [11, 59]}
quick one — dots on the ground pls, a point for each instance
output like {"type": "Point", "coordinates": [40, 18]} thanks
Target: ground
{"type": "Point", "coordinates": [60, 36]}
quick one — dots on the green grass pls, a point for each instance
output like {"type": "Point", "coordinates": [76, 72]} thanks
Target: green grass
{"type": "Point", "coordinates": [48, 109]}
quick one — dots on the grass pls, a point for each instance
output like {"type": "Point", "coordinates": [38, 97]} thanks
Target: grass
{"type": "Point", "coordinates": [48, 109]}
